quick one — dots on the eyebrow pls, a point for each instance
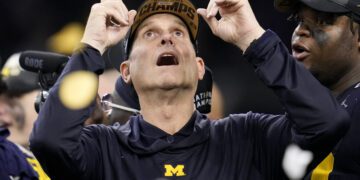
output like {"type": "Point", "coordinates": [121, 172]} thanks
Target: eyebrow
{"type": "Point", "coordinates": [148, 23]}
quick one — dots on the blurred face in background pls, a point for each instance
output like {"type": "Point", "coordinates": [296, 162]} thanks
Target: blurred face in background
{"type": "Point", "coordinates": [7, 118]}
{"type": "Point", "coordinates": [21, 136]}
{"type": "Point", "coordinates": [12, 117]}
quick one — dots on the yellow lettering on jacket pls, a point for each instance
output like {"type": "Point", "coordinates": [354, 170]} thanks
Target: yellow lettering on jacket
{"type": "Point", "coordinates": [177, 171]}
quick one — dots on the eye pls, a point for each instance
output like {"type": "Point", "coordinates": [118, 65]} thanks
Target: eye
{"type": "Point", "coordinates": [178, 33]}
{"type": "Point", "coordinates": [325, 19]}
{"type": "Point", "coordinates": [149, 35]}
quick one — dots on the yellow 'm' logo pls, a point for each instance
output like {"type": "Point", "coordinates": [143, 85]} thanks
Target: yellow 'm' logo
{"type": "Point", "coordinates": [177, 171]}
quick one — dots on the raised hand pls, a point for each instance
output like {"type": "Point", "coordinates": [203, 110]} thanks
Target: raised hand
{"type": "Point", "coordinates": [108, 23]}
{"type": "Point", "coordinates": [237, 24]}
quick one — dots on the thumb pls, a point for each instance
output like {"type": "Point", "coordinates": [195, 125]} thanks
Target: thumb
{"type": "Point", "coordinates": [211, 21]}
{"type": "Point", "coordinates": [131, 14]}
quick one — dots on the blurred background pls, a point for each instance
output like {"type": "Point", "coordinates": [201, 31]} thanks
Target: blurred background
{"type": "Point", "coordinates": [57, 26]}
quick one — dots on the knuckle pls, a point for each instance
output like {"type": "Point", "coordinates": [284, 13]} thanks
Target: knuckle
{"type": "Point", "coordinates": [95, 7]}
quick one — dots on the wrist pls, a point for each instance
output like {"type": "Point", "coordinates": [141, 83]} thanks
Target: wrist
{"type": "Point", "coordinates": [245, 41]}
{"type": "Point", "coordinates": [96, 45]}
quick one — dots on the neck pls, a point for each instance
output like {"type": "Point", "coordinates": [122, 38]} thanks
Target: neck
{"type": "Point", "coordinates": [346, 81]}
{"type": "Point", "coordinates": [169, 110]}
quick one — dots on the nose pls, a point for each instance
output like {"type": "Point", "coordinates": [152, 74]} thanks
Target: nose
{"type": "Point", "coordinates": [167, 40]}
{"type": "Point", "coordinates": [302, 30]}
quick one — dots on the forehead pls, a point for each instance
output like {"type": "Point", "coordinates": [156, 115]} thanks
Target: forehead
{"type": "Point", "coordinates": [160, 19]}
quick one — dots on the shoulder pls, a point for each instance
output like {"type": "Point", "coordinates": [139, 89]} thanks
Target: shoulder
{"type": "Point", "coordinates": [249, 120]}
{"type": "Point", "coordinates": [350, 99]}
{"type": "Point", "coordinates": [107, 130]}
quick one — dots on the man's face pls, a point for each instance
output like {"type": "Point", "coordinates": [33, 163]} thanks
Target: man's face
{"type": "Point", "coordinates": [6, 117]}
{"type": "Point", "coordinates": [324, 43]}
{"type": "Point", "coordinates": [163, 56]}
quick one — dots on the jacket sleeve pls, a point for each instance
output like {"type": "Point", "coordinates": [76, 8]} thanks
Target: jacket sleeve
{"type": "Point", "coordinates": [56, 139]}
{"type": "Point", "coordinates": [313, 120]}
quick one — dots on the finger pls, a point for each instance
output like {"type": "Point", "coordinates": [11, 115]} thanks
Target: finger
{"type": "Point", "coordinates": [220, 1]}
{"type": "Point", "coordinates": [108, 0]}
{"type": "Point", "coordinates": [117, 6]}
{"type": "Point", "coordinates": [210, 5]}
{"type": "Point", "coordinates": [132, 14]}
{"type": "Point", "coordinates": [212, 9]}
{"type": "Point", "coordinates": [211, 21]}
{"type": "Point", "coordinates": [116, 17]}
{"type": "Point", "coordinates": [203, 12]}
{"type": "Point", "coordinates": [125, 10]}
{"type": "Point", "coordinates": [225, 3]}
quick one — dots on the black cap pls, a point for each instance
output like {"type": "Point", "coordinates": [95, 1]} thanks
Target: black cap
{"type": "Point", "coordinates": [17, 80]}
{"type": "Point", "coordinates": [329, 6]}
{"type": "Point", "coordinates": [184, 9]}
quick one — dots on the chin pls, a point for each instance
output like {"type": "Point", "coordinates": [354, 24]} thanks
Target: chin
{"type": "Point", "coordinates": [169, 85]}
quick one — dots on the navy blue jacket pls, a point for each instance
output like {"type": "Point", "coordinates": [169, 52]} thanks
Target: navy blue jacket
{"type": "Point", "coordinates": [13, 162]}
{"type": "Point", "coordinates": [241, 146]}
{"type": "Point", "coordinates": [345, 161]}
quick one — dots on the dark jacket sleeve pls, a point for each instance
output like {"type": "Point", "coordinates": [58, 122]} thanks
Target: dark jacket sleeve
{"type": "Point", "coordinates": [314, 120]}
{"type": "Point", "coordinates": [56, 137]}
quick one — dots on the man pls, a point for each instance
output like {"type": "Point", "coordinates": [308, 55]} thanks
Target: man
{"type": "Point", "coordinates": [15, 161]}
{"type": "Point", "coordinates": [169, 139]}
{"type": "Point", "coordinates": [23, 86]}
{"type": "Point", "coordinates": [326, 41]}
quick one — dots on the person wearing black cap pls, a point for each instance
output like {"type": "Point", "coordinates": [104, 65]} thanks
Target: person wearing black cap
{"type": "Point", "coordinates": [327, 42]}
{"type": "Point", "coordinates": [169, 139]}
{"type": "Point", "coordinates": [23, 86]}
{"type": "Point", "coordinates": [15, 161]}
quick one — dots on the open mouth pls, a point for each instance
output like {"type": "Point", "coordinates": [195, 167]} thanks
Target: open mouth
{"type": "Point", "coordinates": [298, 49]}
{"type": "Point", "coordinates": [299, 52]}
{"type": "Point", "coordinates": [167, 59]}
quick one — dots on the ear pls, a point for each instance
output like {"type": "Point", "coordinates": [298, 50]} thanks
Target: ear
{"type": "Point", "coordinates": [201, 67]}
{"type": "Point", "coordinates": [125, 71]}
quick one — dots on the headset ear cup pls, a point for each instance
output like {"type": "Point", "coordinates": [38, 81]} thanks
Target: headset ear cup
{"type": "Point", "coordinates": [127, 92]}
{"type": "Point", "coordinates": [203, 95]}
